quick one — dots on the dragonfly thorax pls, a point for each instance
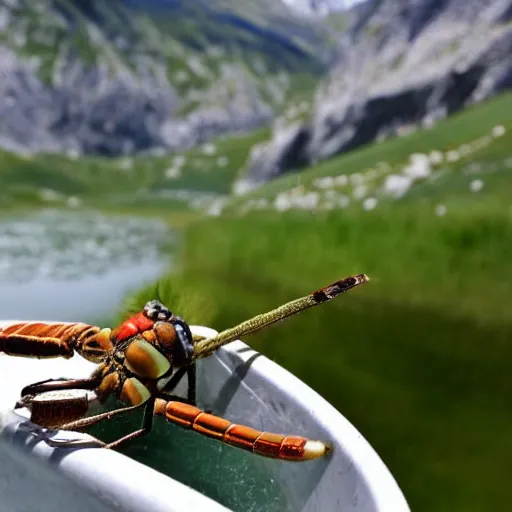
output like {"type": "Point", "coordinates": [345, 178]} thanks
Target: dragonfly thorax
{"type": "Point", "coordinates": [153, 342]}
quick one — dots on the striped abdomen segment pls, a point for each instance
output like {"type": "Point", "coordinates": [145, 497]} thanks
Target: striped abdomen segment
{"type": "Point", "coordinates": [267, 444]}
{"type": "Point", "coordinates": [54, 409]}
{"type": "Point", "coordinates": [39, 339]}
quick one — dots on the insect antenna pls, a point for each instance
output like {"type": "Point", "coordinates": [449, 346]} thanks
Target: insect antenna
{"type": "Point", "coordinates": [205, 347]}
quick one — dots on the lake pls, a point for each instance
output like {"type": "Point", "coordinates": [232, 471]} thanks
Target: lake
{"type": "Point", "coordinates": [76, 265]}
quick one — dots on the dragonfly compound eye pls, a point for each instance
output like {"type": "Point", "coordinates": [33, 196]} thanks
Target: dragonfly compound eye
{"type": "Point", "coordinates": [175, 339]}
{"type": "Point", "coordinates": [155, 310]}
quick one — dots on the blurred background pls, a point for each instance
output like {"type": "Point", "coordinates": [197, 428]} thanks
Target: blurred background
{"type": "Point", "coordinates": [225, 156]}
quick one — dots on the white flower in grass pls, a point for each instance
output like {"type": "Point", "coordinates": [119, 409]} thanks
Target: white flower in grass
{"type": "Point", "coordinates": [343, 201]}
{"type": "Point", "coordinates": [360, 192]}
{"type": "Point", "coordinates": [369, 203]}
{"type": "Point", "coordinates": [74, 202]}
{"type": "Point", "coordinates": [26, 156]}
{"type": "Point", "coordinates": [178, 161]}
{"type": "Point", "coordinates": [481, 143]}
{"type": "Point", "coordinates": [429, 122]}
{"type": "Point", "coordinates": [476, 185]}
{"type": "Point", "coordinates": [222, 161]}
{"type": "Point", "coordinates": [356, 179]}
{"type": "Point", "coordinates": [435, 157]}
{"type": "Point", "coordinates": [325, 182]}
{"type": "Point", "coordinates": [341, 180]}
{"type": "Point", "coordinates": [452, 156]}
{"type": "Point", "coordinates": [418, 157]}
{"type": "Point", "coordinates": [464, 150]}
{"type": "Point", "coordinates": [48, 194]}
{"type": "Point", "coordinates": [216, 207]}
{"type": "Point", "coordinates": [241, 187]}
{"type": "Point", "coordinates": [172, 173]}
{"type": "Point", "coordinates": [498, 131]}
{"type": "Point", "coordinates": [282, 202]}
{"type": "Point", "coordinates": [209, 149]}
{"type": "Point", "coordinates": [126, 164]}
{"type": "Point", "coordinates": [397, 186]}
{"type": "Point", "coordinates": [330, 194]}
{"type": "Point", "coordinates": [308, 201]}
{"type": "Point", "coordinates": [419, 167]}
{"type": "Point", "coordinates": [73, 154]}
{"type": "Point", "coordinates": [440, 210]}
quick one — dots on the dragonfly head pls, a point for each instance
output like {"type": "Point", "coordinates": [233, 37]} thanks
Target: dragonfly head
{"type": "Point", "coordinates": [158, 350]}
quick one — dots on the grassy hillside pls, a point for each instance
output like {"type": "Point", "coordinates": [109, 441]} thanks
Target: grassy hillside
{"type": "Point", "coordinates": [469, 145]}
{"type": "Point", "coordinates": [418, 360]}
{"type": "Point", "coordinates": [133, 183]}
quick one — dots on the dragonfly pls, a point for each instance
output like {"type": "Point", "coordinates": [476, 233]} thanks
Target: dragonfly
{"type": "Point", "coordinates": [140, 363]}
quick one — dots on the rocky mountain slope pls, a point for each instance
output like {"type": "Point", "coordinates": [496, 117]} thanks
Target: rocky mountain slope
{"type": "Point", "coordinates": [124, 76]}
{"type": "Point", "coordinates": [403, 64]}
{"type": "Point", "coordinates": [321, 7]}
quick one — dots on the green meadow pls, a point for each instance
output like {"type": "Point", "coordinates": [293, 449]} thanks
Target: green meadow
{"type": "Point", "coordinates": [419, 358]}
{"type": "Point", "coordinates": [117, 183]}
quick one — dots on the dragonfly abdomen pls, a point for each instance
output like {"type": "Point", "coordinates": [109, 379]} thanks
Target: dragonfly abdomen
{"type": "Point", "coordinates": [37, 339]}
{"type": "Point", "coordinates": [267, 444]}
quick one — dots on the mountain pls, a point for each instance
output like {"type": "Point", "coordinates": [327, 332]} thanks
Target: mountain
{"type": "Point", "coordinates": [402, 64]}
{"type": "Point", "coordinates": [322, 7]}
{"type": "Point", "coordinates": [125, 76]}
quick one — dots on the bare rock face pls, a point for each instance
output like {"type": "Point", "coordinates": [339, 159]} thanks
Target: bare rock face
{"type": "Point", "coordinates": [89, 112]}
{"type": "Point", "coordinates": [284, 151]}
{"type": "Point", "coordinates": [404, 63]}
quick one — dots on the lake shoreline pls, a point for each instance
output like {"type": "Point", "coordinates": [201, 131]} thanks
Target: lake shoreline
{"type": "Point", "coordinates": [81, 264]}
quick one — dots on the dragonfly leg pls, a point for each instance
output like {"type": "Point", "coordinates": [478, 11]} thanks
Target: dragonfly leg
{"type": "Point", "coordinates": [59, 384]}
{"type": "Point", "coordinates": [191, 377]}
{"type": "Point", "coordinates": [147, 423]}
{"type": "Point", "coordinates": [92, 420]}
{"type": "Point", "coordinates": [62, 379]}
{"type": "Point", "coordinates": [175, 379]}
{"type": "Point", "coordinates": [191, 391]}
{"type": "Point", "coordinates": [166, 392]}
{"type": "Point", "coordinates": [87, 422]}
